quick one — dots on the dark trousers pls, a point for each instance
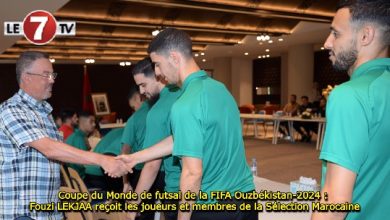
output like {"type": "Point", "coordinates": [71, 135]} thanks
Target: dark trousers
{"type": "Point", "coordinates": [158, 185]}
{"type": "Point", "coordinates": [171, 215]}
{"type": "Point", "coordinates": [283, 127]}
{"type": "Point", "coordinates": [228, 215]}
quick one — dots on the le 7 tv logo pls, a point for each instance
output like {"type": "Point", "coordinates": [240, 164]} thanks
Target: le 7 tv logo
{"type": "Point", "coordinates": [40, 27]}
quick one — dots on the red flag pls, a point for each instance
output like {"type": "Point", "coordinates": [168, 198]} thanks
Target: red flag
{"type": "Point", "coordinates": [87, 99]}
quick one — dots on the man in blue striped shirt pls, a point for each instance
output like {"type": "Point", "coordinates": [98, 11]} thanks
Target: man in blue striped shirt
{"type": "Point", "coordinates": [31, 146]}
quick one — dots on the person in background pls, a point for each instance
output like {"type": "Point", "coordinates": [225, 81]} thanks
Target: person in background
{"type": "Point", "coordinates": [134, 134]}
{"type": "Point", "coordinates": [57, 120]}
{"type": "Point", "coordinates": [69, 122]}
{"type": "Point", "coordinates": [79, 138]}
{"type": "Point", "coordinates": [31, 146]}
{"type": "Point", "coordinates": [356, 148]}
{"type": "Point", "coordinates": [110, 144]}
{"type": "Point", "coordinates": [304, 128]}
{"type": "Point", "coordinates": [321, 111]}
{"type": "Point", "coordinates": [290, 108]}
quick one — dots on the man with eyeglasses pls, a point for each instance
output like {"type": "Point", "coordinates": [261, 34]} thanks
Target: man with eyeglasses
{"type": "Point", "coordinates": [31, 145]}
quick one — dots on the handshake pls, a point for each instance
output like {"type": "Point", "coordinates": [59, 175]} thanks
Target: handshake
{"type": "Point", "coordinates": [118, 166]}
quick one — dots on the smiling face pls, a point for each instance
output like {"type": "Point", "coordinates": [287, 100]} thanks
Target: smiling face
{"type": "Point", "coordinates": [36, 80]}
{"type": "Point", "coordinates": [165, 67]}
{"type": "Point", "coordinates": [341, 42]}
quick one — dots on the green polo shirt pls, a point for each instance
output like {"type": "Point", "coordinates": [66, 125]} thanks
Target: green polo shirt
{"type": "Point", "coordinates": [134, 133]}
{"type": "Point", "coordinates": [206, 125]}
{"type": "Point", "coordinates": [357, 136]}
{"type": "Point", "coordinates": [158, 128]}
{"type": "Point", "coordinates": [111, 143]}
{"type": "Point", "coordinates": [78, 139]}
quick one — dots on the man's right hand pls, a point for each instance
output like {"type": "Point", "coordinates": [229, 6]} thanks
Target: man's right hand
{"type": "Point", "coordinates": [129, 161]}
{"type": "Point", "coordinates": [114, 168]}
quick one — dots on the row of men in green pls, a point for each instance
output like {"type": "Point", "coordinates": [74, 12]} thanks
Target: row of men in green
{"type": "Point", "coordinates": [187, 132]}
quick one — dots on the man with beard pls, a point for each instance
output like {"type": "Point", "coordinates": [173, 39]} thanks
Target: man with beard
{"type": "Point", "coordinates": [206, 130]}
{"type": "Point", "coordinates": [161, 97]}
{"type": "Point", "coordinates": [356, 152]}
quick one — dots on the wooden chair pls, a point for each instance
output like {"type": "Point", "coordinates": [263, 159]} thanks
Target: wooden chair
{"type": "Point", "coordinates": [76, 215]}
{"type": "Point", "coordinates": [81, 187]}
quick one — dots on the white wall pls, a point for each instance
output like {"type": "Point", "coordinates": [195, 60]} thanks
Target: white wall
{"type": "Point", "coordinates": [235, 73]}
{"type": "Point", "coordinates": [242, 80]}
{"type": "Point", "coordinates": [222, 71]}
{"type": "Point", "coordinates": [300, 68]}
{"type": "Point", "coordinates": [297, 72]}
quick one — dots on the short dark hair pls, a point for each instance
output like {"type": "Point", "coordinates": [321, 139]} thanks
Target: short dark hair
{"type": "Point", "coordinates": [84, 114]}
{"type": "Point", "coordinates": [26, 59]}
{"type": "Point", "coordinates": [67, 114]}
{"type": "Point", "coordinates": [171, 39]}
{"type": "Point", "coordinates": [145, 67]}
{"type": "Point", "coordinates": [371, 11]}
{"type": "Point", "coordinates": [133, 90]}
{"type": "Point", "coordinates": [304, 97]}
{"type": "Point", "coordinates": [293, 95]}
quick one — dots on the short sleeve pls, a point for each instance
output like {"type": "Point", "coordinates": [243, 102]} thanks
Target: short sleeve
{"type": "Point", "coordinates": [156, 128]}
{"type": "Point", "coordinates": [21, 126]}
{"type": "Point", "coordinates": [128, 136]}
{"type": "Point", "coordinates": [188, 132]}
{"type": "Point", "coordinates": [346, 139]}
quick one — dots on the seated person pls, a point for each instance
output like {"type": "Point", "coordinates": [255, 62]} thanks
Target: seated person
{"type": "Point", "coordinates": [110, 144]}
{"type": "Point", "coordinates": [322, 107]}
{"type": "Point", "coordinates": [304, 128]}
{"type": "Point", "coordinates": [290, 108]}
{"type": "Point", "coordinates": [79, 138]}
{"type": "Point", "coordinates": [69, 122]}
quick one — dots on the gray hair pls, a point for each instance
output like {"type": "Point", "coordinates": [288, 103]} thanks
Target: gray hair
{"type": "Point", "coordinates": [25, 61]}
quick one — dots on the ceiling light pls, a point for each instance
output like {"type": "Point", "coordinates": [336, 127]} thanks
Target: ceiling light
{"type": "Point", "coordinates": [89, 61]}
{"type": "Point", "coordinates": [270, 41]}
{"type": "Point", "coordinates": [127, 63]}
{"type": "Point", "coordinates": [260, 38]}
{"type": "Point", "coordinates": [263, 37]}
{"type": "Point", "coordinates": [52, 60]}
{"type": "Point", "coordinates": [246, 53]}
{"type": "Point", "coordinates": [322, 48]}
{"type": "Point", "coordinates": [202, 54]}
{"type": "Point", "coordinates": [267, 55]}
{"type": "Point", "coordinates": [280, 39]}
{"type": "Point", "coordinates": [259, 57]}
{"type": "Point", "coordinates": [122, 64]}
{"type": "Point", "coordinates": [204, 60]}
{"type": "Point", "coordinates": [196, 55]}
{"type": "Point", "coordinates": [155, 32]}
{"type": "Point", "coordinates": [264, 56]}
{"type": "Point", "coordinates": [266, 50]}
{"type": "Point", "coordinates": [240, 42]}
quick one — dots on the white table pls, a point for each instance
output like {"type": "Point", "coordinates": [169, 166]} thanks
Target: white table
{"type": "Point", "coordinates": [265, 184]}
{"type": "Point", "coordinates": [112, 125]}
{"type": "Point", "coordinates": [290, 120]}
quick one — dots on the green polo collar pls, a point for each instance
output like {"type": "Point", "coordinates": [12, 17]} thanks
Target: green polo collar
{"type": "Point", "coordinates": [380, 63]}
{"type": "Point", "coordinates": [192, 76]}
